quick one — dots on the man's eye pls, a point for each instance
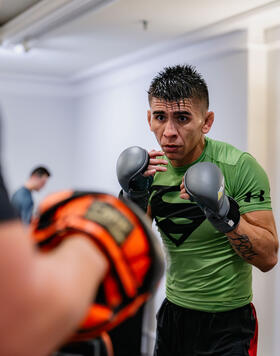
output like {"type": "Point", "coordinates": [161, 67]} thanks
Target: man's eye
{"type": "Point", "coordinates": [183, 118]}
{"type": "Point", "coordinates": [160, 117]}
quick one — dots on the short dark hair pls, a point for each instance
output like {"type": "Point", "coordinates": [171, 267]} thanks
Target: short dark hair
{"type": "Point", "coordinates": [40, 171]}
{"type": "Point", "coordinates": [178, 83]}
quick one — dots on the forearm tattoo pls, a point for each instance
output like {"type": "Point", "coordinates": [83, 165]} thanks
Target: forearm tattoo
{"type": "Point", "coordinates": [243, 246]}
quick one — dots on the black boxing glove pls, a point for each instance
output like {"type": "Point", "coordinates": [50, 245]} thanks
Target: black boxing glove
{"type": "Point", "coordinates": [204, 182]}
{"type": "Point", "coordinates": [131, 165]}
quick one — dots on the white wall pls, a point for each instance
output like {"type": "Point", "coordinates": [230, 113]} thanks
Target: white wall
{"type": "Point", "coordinates": [273, 163]}
{"type": "Point", "coordinates": [113, 115]}
{"type": "Point", "coordinates": [38, 128]}
{"type": "Point", "coordinates": [263, 138]}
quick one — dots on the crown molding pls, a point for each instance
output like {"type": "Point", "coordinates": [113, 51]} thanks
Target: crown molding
{"type": "Point", "coordinates": [43, 17]}
{"type": "Point", "coordinates": [200, 40]}
{"type": "Point", "coordinates": [138, 64]}
{"type": "Point", "coordinates": [233, 24]}
{"type": "Point", "coordinates": [115, 72]}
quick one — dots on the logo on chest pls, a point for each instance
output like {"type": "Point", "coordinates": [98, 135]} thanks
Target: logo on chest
{"type": "Point", "coordinates": [249, 196]}
{"type": "Point", "coordinates": [177, 220]}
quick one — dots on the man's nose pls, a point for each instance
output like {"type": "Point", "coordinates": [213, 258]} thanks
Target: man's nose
{"type": "Point", "coordinates": [170, 129]}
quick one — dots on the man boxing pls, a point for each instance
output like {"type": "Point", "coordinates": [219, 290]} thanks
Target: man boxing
{"type": "Point", "coordinates": [212, 238]}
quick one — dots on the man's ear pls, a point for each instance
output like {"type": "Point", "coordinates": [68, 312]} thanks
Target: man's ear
{"type": "Point", "coordinates": [149, 117]}
{"type": "Point", "coordinates": [209, 119]}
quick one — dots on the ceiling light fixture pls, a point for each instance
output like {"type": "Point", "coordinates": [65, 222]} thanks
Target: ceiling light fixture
{"type": "Point", "coordinates": [44, 17]}
{"type": "Point", "coordinates": [19, 49]}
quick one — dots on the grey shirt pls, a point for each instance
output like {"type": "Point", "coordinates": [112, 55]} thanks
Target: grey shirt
{"type": "Point", "coordinates": [6, 210]}
{"type": "Point", "coordinates": [23, 203]}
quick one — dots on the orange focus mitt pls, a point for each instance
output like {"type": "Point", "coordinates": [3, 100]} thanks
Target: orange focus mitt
{"type": "Point", "coordinates": [123, 234]}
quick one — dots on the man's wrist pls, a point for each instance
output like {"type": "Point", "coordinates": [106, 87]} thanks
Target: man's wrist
{"type": "Point", "coordinates": [229, 222]}
{"type": "Point", "coordinates": [139, 198]}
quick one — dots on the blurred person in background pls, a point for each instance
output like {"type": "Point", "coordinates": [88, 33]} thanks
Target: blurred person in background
{"type": "Point", "coordinates": [22, 198]}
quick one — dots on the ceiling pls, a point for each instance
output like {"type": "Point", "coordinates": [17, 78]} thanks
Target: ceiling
{"type": "Point", "coordinates": [119, 29]}
{"type": "Point", "coordinates": [10, 9]}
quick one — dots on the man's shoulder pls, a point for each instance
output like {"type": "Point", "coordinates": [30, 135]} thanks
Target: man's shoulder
{"type": "Point", "coordinates": [223, 152]}
{"type": "Point", "coordinates": [21, 192]}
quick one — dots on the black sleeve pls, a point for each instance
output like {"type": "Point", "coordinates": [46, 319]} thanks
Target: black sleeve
{"type": "Point", "coordinates": [6, 210]}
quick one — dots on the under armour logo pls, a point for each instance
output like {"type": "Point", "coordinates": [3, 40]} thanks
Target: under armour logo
{"type": "Point", "coordinates": [249, 195]}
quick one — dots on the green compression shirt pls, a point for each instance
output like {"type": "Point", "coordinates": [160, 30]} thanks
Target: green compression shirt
{"type": "Point", "coordinates": [203, 270]}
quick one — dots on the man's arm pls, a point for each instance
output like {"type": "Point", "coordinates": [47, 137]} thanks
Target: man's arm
{"type": "Point", "coordinates": [43, 296]}
{"type": "Point", "coordinates": [26, 211]}
{"type": "Point", "coordinates": [252, 235]}
{"type": "Point", "coordinates": [255, 239]}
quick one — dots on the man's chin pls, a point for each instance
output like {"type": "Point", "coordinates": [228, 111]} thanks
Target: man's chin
{"type": "Point", "coordinates": [172, 155]}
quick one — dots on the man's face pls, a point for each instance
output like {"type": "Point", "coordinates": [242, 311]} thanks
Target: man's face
{"type": "Point", "coordinates": [41, 182]}
{"type": "Point", "coordinates": [179, 128]}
